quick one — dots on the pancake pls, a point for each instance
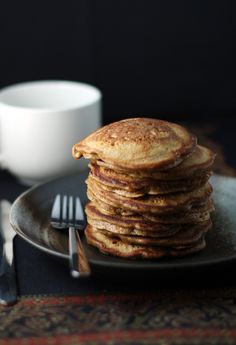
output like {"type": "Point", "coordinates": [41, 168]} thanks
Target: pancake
{"type": "Point", "coordinates": [190, 211]}
{"type": "Point", "coordinates": [148, 189]}
{"type": "Point", "coordinates": [147, 186]}
{"type": "Point", "coordinates": [200, 160]}
{"type": "Point", "coordinates": [186, 237]}
{"type": "Point", "coordinates": [151, 204]}
{"type": "Point", "coordinates": [138, 143]}
{"type": "Point", "coordinates": [130, 224]}
{"type": "Point", "coordinates": [117, 247]}
{"type": "Point", "coordinates": [164, 232]}
{"type": "Point", "coordinates": [139, 222]}
{"type": "Point", "coordinates": [107, 208]}
{"type": "Point", "coordinates": [198, 213]}
{"type": "Point", "coordinates": [169, 231]}
{"type": "Point", "coordinates": [187, 215]}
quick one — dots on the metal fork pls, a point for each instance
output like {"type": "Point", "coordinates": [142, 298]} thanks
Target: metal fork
{"type": "Point", "coordinates": [67, 212]}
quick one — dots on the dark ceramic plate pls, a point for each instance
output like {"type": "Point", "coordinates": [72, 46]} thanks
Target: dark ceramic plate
{"type": "Point", "coordinates": [30, 218]}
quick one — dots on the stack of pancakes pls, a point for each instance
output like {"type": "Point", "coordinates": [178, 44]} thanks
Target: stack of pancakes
{"type": "Point", "coordinates": [148, 189]}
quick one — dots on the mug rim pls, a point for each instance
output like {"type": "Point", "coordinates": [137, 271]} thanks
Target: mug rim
{"type": "Point", "coordinates": [94, 93]}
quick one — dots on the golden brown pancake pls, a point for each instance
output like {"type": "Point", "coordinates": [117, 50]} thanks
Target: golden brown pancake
{"type": "Point", "coordinates": [147, 186]}
{"type": "Point", "coordinates": [138, 143]}
{"type": "Point", "coordinates": [196, 163]}
{"type": "Point", "coordinates": [130, 224]}
{"type": "Point", "coordinates": [187, 236]}
{"type": "Point", "coordinates": [151, 204]}
{"type": "Point", "coordinates": [107, 208]}
{"type": "Point", "coordinates": [169, 231]}
{"type": "Point", "coordinates": [139, 222]}
{"type": "Point", "coordinates": [187, 215]}
{"type": "Point", "coordinates": [196, 214]}
{"type": "Point", "coordinates": [117, 247]}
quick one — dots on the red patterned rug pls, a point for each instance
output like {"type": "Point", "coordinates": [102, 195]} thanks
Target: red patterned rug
{"type": "Point", "coordinates": [171, 317]}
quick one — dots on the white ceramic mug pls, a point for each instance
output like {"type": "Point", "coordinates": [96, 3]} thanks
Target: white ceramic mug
{"type": "Point", "coordinates": [40, 122]}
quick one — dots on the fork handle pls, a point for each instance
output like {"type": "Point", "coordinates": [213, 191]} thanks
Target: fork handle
{"type": "Point", "coordinates": [79, 265]}
{"type": "Point", "coordinates": [8, 291]}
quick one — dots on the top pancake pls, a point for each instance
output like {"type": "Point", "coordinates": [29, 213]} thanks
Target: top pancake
{"type": "Point", "coordinates": [200, 160]}
{"type": "Point", "coordinates": [138, 143]}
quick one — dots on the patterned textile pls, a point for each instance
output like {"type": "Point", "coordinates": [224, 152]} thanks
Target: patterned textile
{"type": "Point", "coordinates": [161, 317]}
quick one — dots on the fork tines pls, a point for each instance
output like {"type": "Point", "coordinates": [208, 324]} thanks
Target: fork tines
{"type": "Point", "coordinates": [67, 211]}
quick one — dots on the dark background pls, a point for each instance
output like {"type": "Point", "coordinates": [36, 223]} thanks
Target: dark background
{"type": "Point", "coordinates": [168, 59]}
